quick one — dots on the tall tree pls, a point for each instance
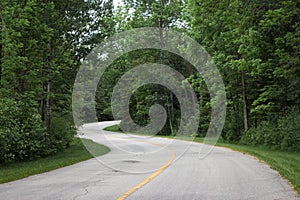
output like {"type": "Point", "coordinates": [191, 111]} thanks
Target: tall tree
{"type": "Point", "coordinates": [43, 44]}
{"type": "Point", "coordinates": [255, 42]}
{"type": "Point", "coordinates": [135, 14]}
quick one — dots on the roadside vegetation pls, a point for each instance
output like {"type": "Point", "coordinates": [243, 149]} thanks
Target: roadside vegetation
{"type": "Point", "coordinates": [42, 44]}
{"type": "Point", "coordinates": [258, 57]}
{"type": "Point", "coordinates": [285, 162]}
{"type": "Point", "coordinates": [74, 154]}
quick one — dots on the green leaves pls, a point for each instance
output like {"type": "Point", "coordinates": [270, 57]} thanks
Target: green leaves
{"type": "Point", "coordinates": [22, 134]}
{"type": "Point", "coordinates": [258, 38]}
{"type": "Point", "coordinates": [42, 44]}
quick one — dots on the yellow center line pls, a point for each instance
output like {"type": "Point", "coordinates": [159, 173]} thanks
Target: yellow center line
{"type": "Point", "coordinates": [150, 178]}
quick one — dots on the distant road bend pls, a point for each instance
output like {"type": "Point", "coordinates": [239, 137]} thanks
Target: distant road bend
{"type": "Point", "coordinates": [153, 168]}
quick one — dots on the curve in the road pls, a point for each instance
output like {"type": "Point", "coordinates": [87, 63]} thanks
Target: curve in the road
{"type": "Point", "coordinates": [224, 175]}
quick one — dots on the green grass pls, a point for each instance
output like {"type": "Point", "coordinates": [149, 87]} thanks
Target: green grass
{"type": "Point", "coordinates": [74, 154]}
{"type": "Point", "coordinates": [113, 128]}
{"type": "Point", "coordinates": [286, 163]}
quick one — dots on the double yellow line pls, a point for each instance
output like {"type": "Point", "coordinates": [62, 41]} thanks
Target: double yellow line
{"type": "Point", "coordinates": [150, 178]}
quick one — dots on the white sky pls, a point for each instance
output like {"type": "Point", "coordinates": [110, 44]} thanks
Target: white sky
{"type": "Point", "coordinates": [116, 2]}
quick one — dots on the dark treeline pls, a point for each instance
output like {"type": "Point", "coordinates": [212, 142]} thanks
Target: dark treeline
{"type": "Point", "coordinates": [42, 43]}
{"type": "Point", "coordinates": [255, 45]}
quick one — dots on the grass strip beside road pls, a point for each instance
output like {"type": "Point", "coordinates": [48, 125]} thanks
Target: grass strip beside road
{"type": "Point", "coordinates": [74, 154]}
{"type": "Point", "coordinates": [286, 163]}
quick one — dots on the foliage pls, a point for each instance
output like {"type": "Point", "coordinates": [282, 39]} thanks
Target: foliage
{"type": "Point", "coordinates": [283, 133]}
{"type": "Point", "coordinates": [22, 134]}
{"type": "Point", "coordinates": [61, 133]}
{"type": "Point", "coordinates": [77, 152]}
{"type": "Point", "coordinates": [135, 14]}
{"type": "Point", "coordinates": [255, 46]}
{"type": "Point", "coordinates": [258, 57]}
{"type": "Point", "coordinates": [41, 46]}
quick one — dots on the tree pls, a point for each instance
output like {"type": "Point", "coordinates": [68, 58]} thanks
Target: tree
{"type": "Point", "coordinates": [134, 14]}
{"type": "Point", "coordinates": [260, 49]}
{"type": "Point", "coordinates": [42, 44]}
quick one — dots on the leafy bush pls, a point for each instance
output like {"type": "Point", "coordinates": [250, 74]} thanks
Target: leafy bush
{"type": "Point", "coordinates": [290, 129]}
{"type": "Point", "coordinates": [23, 135]}
{"type": "Point", "coordinates": [61, 133]}
{"type": "Point", "coordinates": [233, 126]}
{"type": "Point", "coordinates": [283, 134]}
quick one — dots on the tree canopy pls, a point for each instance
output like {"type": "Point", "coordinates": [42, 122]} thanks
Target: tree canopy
{"type": "Point", "coordinates": [255, 45]}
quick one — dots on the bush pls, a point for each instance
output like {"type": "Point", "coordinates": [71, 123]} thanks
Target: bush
{"type": "Point", "coordinates": [233, 127]}
{"type": "Point", "coordinates": [61, 133]}
{"type": "Point", "coordinates": [290, 129]}
{"type": "Point", "coordinates": [22, 135]}
{"type": "Point", "coordinates": [283, 134]}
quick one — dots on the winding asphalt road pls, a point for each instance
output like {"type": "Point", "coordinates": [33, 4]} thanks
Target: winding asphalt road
{"type": "Point", "coordinates": [153, 168]}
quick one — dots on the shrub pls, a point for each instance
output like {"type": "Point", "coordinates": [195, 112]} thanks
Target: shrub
{"type": "Point", "coordinates": [290, 129]}
{"type": "Point", "coordinates": [61, 133]}
{"type": "Point", "coordinates": [283, 134]}
{"type": "Point", "coordinates": [22, 134]}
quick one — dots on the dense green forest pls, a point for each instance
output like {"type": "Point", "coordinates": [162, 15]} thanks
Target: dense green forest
{"type": "Point", "coordinates": [42, 44]}
{"type": "Point", "coordinates": [255, 45]}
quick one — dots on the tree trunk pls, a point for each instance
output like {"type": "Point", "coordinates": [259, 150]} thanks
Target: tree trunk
{"type": "Point", "coordinates": [171, 117]}
{"type": "Point", "coordinates": [161, 34]}
{"type": "Point", "coordinates": [188, 68]}
{"type": "Point", "coordinates": [1, 54]}
{"type": "Point", "coordinates": [43, 102]}
{"type": "Point", "coordinates": [1, 65]}
{"type": "Point", "coordinates": [48, 98]}
{"type": "Point", "coordinates": [244, 102]}
{"type": "Point", "coordinates": [48, 106]}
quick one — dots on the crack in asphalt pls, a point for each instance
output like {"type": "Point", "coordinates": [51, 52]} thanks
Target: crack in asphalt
{"type": "Point", "coordinates": [94, 183]}
{"type": "Point", "coordinates": [81, 195]}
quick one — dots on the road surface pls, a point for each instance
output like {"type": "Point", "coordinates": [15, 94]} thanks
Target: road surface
{"type": "Point", "coordinates": [153, 168]}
